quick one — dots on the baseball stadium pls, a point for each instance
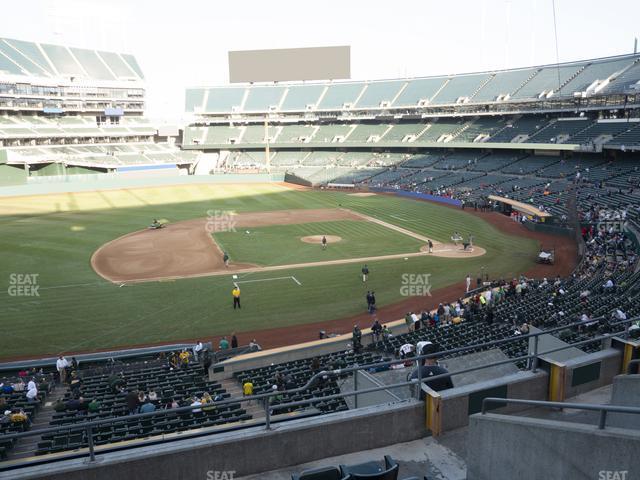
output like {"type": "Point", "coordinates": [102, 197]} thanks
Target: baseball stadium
{"type": "Point", "coordinates": [304, 275]}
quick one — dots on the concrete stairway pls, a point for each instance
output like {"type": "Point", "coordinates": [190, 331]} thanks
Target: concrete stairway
{"type": "Point", "coordinates": [254, 408]}
{"type": "Point", "coordinates": [26, 447]}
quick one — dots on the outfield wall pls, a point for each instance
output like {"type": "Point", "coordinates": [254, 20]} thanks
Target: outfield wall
{"type": "Point", "coordinates": [92, 182]}
{"type": "Point", "coordinates": [419, 196]}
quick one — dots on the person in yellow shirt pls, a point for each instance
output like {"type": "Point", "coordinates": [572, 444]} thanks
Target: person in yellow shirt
{"type": "Point", "coordinates": [184, 359]}
{"type": "Point", "coordinates": [236, 296]}
{"type": "Point", "coordinates": [247, 388]}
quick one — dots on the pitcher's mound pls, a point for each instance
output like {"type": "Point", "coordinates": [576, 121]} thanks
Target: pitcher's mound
{"type": "Point", "coordinates": [318, 239]}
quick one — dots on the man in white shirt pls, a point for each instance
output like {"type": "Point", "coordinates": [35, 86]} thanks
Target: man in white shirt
{"type": "Point", "coordinates": [61, 366]}
{"type": "Point", "coordinates": [32, 393]}
{"type": "Point", "coordinates": [468, 279]}
{"type": "Point", "coordinates": [196, 403]}
{"type": "Point", "coordinates": [197, 349]}
{"type": "Point", "coordinates": [406, 350]}
{"type": "Point", "coordinates": [421, 345]}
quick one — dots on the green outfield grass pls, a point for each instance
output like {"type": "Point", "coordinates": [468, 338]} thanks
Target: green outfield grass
{"type": "Point", "coordinates": [78, 310]}
{"type": "Point", "coordinates": [281, 244]}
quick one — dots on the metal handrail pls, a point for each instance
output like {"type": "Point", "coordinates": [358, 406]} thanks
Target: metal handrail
{"type": "Point", "coordinates": [90, 425]}
{"type": "Point", "coordinates": [603, 409]}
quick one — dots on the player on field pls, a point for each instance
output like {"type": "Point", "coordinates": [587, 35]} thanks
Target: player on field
{"type": "Point", "coordinates": [365, 272]}
{"type": "Point", "coordinates": [236, 296]}
{"type": "Point", "coordinates": [324, 242]}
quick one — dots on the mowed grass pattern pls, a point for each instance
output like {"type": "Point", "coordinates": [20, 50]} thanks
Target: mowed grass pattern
{"type": "Point", "coordinates": [77, 310]}
{"type": "Point", "coordinates": [281, 244]}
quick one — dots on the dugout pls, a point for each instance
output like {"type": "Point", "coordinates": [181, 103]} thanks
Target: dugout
{"type": "Point", "coordinates": [511, 207]}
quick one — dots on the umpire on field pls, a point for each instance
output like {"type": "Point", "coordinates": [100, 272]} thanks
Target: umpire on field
{"type": "Point", "coordinates": [236, 296]}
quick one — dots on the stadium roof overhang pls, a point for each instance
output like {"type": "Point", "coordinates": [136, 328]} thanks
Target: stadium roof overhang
{"type": "Point", "coordinates": [521, 207]}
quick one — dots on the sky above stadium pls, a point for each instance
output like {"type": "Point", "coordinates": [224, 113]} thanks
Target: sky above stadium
{"type": "Point", "coordinates": [180, 44]}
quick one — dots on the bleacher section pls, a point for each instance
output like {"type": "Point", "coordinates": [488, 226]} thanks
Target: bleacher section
{"type": "Point", "coordinates": [44, 60]}
{"type": "Point", "coordinates": [590, 77]}
{"type": "Point", "coordinates": [170, 385]}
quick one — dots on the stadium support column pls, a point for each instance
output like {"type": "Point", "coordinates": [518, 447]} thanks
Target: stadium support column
{"type": "Point", "coordinates": [266, 149]}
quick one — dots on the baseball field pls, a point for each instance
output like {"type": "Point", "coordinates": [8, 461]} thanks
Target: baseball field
{"type": "Point", "coordinates": [82, 271]}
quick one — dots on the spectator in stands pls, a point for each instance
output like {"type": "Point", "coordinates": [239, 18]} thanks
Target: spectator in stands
{"type": "Point", "coordinates": [429, 368]}
{"type": "Point", "coordinates": [153, 396]}
{"type": "Point", "coordinates": [356, 339]}
{"type": "Point", "coordinates": [195, 402]}
{"type": "Point", "coordinates": [386, 333]}
{"type": "Point", "coordinates": [207, 403]}
{"type": "Point", "coordinates": [61, 367]}
{"type": "Point", "coordinates": [174, 360]}
{"type": "Point", "coordinates": [5, 417]}
{"type": "Point", "coordinates": [184, 358]}
{"type": "Point", "coordinates": [7, 389]}
{"type": "Point", "coordinates": [407, 350]}
{"type": "Point", "coordinates": [234, 341]}
{"type": "Point", "coordinates": [19, 386]}
{"type": "Point", "coordinates": [132, 402]}
{"type": "Point", "coordinates": [74, 364]}
{"type": "Point", "coordinates": [17, 416]}
{"type": "Point", "coordinates": [279, 380]}
{"type": "Point", "coordinates": [223, 344]}
{"type": "Point", "coordinates": [32, 392]}
{"type": "Point", "coordinates": [75, 384]}
{"type": "Point", "coordinates": [415, 321]}
{"type": "Point", "coordinates": [376, 330]}
{"type": "Point", "coordinates": [94, 406]}
{"type": "Point", "coordinates": [247, 388]}
{"type": "Point", "coordinates": [76, 404]}
{"type": "Point", "coordinates": [206, 362]}
{"type": "Point", "coordinates": [59, 406]}
{"type": "Point", "coordinates": [196, 350]}
{"type": "Point", "coordinates": [147, 406]}
{"type": "Point", "coordinates": [116, 382]}
{"type": "Point", "coordinates": [408, 321]}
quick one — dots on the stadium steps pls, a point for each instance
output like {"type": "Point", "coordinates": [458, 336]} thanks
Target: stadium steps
{"type": "Point", "coordinates": [552, 122]}
{"type": "Point", "coordinates": [590, 125]}
{"type": "Point", "coordinates": [234, 389]}
{"type": "Point", "coordinates": [26, 447]}
{"type": "Point", "coordinates": [482, 85]}
{"type": "Point", "coordinates": [580, 70]}
{"type": "Point", "coordinates": [524, 83]}
{"type": "Point", "coordinates": [464, 126]}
